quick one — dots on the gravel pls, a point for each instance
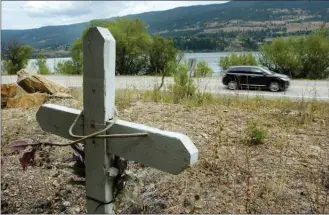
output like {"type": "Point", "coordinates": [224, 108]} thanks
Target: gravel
{"type": "Point", "coordinates": [230, 176]}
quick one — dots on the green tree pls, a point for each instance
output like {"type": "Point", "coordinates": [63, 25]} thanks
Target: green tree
{"type": "Point", "coordinates": [42, 65]}
{"type": "Point", "coordinates": [315, 56]}
{"type": "Point", "coordinates": [132, 44]}
{"type": "Point", "coordinates": [282, 55]}
{"type": "Point", "coordinates": [77, 56]}
{"type": "Point", "coordinates": [16, 56]}
{"type": "Point", "coordinates": [299, 56]}
{"type": "Point", "coordinates": [161, 53]}
{"type": "Point", "coordinates": [238, 60]}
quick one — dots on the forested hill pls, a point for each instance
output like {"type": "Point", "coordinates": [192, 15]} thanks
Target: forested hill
{"type": "Point", "coordinates": [217, 27]}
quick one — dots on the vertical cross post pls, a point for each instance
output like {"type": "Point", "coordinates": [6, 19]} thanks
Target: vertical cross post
{"type": "Point", "coordinates": [99, 107]}
{"type": "Point", "coordinates": [191, 65]}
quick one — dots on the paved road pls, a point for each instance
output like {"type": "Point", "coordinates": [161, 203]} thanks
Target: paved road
{"type": "Point", "coordinates": [299, 88]}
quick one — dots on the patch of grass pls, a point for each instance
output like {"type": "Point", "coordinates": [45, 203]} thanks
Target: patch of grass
{"type": "Point", "coordinates": [124, 98]}
{"type": "Point", "coordinates": [200, 99]}
{"type": "Point", "coordinates": [289, 112]}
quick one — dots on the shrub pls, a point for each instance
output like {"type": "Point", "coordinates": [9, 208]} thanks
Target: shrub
{"type": "Point", "coordinates": [66, 67]}
{"type": "Point", "coordinates": [256, 134]}
{"type": "Point", "coordinates": [183, 86]}
{"type": "Point", "coordinates": [42, 65]}
{"type": "Point", "coordinates": [237, 60]}
{"type": "Point", "coordinates": [203, 70]}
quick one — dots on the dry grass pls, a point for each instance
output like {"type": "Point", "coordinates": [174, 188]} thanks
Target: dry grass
{"type": "Point", "coordinates": [288, 173]}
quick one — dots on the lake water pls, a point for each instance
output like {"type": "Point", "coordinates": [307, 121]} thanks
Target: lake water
{"type": "Point", "coordinates": [212, 59]}
{"type": "Point", "coordinates": [51, 62]}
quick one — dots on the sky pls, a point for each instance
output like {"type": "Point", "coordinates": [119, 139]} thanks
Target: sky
{"type": "Point", "coordinates": [35, 14]}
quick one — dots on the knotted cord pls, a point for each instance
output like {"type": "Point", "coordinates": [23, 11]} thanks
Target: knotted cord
{"type": "Point", "coordinates": [93, 135]}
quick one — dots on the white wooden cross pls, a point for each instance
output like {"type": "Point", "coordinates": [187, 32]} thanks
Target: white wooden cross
{"type": "Point", "coordinates": [191, 66]}
{"type": "Point", "coordinates": [167, 151]}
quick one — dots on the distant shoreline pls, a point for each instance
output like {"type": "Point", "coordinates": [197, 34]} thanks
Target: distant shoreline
{"type": "Point", "coordinates": [185, 52]}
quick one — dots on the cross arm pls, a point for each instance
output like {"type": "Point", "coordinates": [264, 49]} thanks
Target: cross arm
{"type": "Point", "coordinates": [170, 152]}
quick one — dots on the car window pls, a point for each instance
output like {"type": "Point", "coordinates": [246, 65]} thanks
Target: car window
{"type": "Point", "coordinates": [234, 70]}
{"type": "Point", "coordinates": [238, 70]}
{"type": "Point", "coordinates": [256, 71]}
{"type": "Point", "coordinates": [267, 71]}
{"type": "Point", "coordinates": [248, 70]}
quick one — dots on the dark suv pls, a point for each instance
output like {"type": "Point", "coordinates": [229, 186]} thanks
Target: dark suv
{"type": "Point", "coordinates": [256, 77]}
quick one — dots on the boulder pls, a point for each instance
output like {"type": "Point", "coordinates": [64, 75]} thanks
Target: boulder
{"type": "Point", "coordinates": [8, 91]}
{"type": "Point", "coordinates": [27, 100]}
{"type": "Point", "coordinates": [32, 83]}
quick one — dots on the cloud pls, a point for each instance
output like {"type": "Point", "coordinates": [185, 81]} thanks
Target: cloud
{"type": "Point", "coordinates": [49, 9]}
{"type": "Point", "coordinates": [35, 14]}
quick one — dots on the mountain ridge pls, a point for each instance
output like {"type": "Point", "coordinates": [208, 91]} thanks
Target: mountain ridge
{"type": "Point", "coordinates": [256, 20]}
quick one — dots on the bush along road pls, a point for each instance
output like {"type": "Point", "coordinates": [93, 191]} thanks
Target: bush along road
{"type": "Point", "coordinates": [307, 89]}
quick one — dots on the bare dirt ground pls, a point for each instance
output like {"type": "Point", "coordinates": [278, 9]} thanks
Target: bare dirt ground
{"type": "Point", "coordinates": [289, 173]}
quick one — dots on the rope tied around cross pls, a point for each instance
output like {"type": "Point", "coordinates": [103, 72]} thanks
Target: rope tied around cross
{"type": "Point", "coordinates": [96, 134]}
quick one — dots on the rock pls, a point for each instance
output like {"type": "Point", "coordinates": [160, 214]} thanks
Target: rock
{"type": "Point", "coordinates": [151, 186]}
{"type": "Point", "coordinates": [76, 210]}
{"type": "Point", "coordinates": [187, 203]}
{"type": "Point", "coordinates": [7, 91]}
{"type": "Point", "coordinates": [55, 183]}
{"type": "Point", "coordinates": [27, 100]}
{"type": "Point", "coordinates": [4, 186]}
{"type": "Point", "coordinates": [62, 208]}
{"type": "Point", "coordinates": [69, 188]}
{"type": "Point", "coordinates": [315, 151]}
{"type": "Point", "coordinates": [66, 204]}
{"type": "Point", "coordinates": [204, 135]}
{"type": "Point", "coordinates": [63, 193]}
{"type": "Point", "coordinates": [43, 203]}
{"type": "Point", "coordinates": [55, 175]}
{"type": "Point", "coordinates": [33, 83]}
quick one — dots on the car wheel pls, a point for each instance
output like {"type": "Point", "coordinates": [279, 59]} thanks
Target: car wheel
{"type": "Point", "coordinates": [232, 85]}
{"type": "Point", "coordinates": [274, 87]}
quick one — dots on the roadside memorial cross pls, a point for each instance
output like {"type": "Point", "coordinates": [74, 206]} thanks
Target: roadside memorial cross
{"type": "Point", "coordinates": [191, 66]}
{"type": "Point", "coordinates": [170, 152]}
